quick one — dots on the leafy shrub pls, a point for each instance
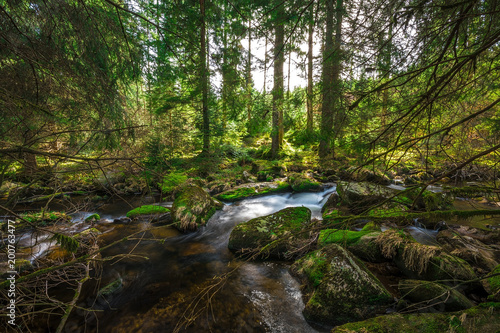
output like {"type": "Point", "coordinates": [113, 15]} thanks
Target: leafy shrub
{"type": "Point", "coordinates": [172, 180]}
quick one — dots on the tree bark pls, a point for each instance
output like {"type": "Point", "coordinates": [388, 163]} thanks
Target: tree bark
{"type": "Point", "coordinates": [279, 60]}
{"type": "Point", "coordinates": [265, 66]}
{"type": "Point", "coordinates": [309, 102]}
{"type": "Point", "coordinates": [204, 82]}
{"type": "Point", "coordinates": [249, 73]}
{"type": "Point", "coordinates": [331, 107]}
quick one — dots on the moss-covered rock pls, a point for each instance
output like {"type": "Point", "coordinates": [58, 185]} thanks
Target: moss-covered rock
{"type": "Point", "coordinates": [275, 235]}
{"type": "Point", "coordinates": [192, 208]}
{"type": "Point", "coordinates": [332, 203]}
{"type": "Point", "coordinates": [427, 201]}
{"type": "Point", "coordinates": [361, 243]}
{"type": "Point", "coordinates": [364, 174]}
{"type": "Point", "coordinates": [431, 294]}
{"type": "Point", "coordinates": [362, 195]}
{"type": "Point", "coordinates": [303, 182]}
{"type": "Point", "coordinates": [341, 289]}
{"type": "Point", "coordinates": [484, 318]}
{"type": "Point", "coordinates": [423, 262]}
{"type": "Point", "coordinates": [492, 284]}
{"type": "Point", "coordinates": [147, 210]}
{"type": "Point", "coordinates": [469, 249]}
{"type": "Point", "coordinates": [42, 218]}
{"type": "Point", "coordinates": [371, 226]}
{"type": "Point", "coordinates": [341, 237]}
{"type": "Point", "coordinates": [253, 190]}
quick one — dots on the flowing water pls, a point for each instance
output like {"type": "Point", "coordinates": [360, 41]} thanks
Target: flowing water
{"type": "Point", "coordinates": [159, 293]}
{"type": "Point", "coordinates": [192, 281]}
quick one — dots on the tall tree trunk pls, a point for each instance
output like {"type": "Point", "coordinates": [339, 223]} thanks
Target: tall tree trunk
{"type": "Point", "coordinates": [265, 66]}
{"type": "Point", "coordinates": [337, 68]}
{"type": "Point", "coordinates": [331, 107]}
{"type": "Point", "coordinates": [309, 102]}
{"type": "Point", "coordinates": [225, 66]}
{"type": "Point", "coordinates": [249, 73]}
{"type": "Point", "coordinates": [279, 60]}
{"type": "Point", "coordinates": [204, 82]}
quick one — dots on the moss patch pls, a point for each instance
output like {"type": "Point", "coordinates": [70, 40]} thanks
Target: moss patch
{"type": "Point", "coordinates": [276, 235]}
{"type": "Point", "coordinates": [42, 218]}
{"type": "Point", "coordinates": [342, 289]}
{"type": "Point", "coordinates": [192, 208]}
{"type": "Point", "coordinates": [247, 190]}
{"type": "Point", "coordinates": [422, 262]}
{"type": "Point", "coordinates": [335, 236]}
{"type": "Point", "coordinates": [484, 318]}
{"type": "Point", "coordinates": [93, 217]}
{"type": "Point", "coordinates": [147, 210]}
{"type": "Point", "coordinates": [493, 285]}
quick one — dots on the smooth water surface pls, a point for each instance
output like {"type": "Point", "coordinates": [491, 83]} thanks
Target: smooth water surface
{"type": "Point", "coordinates": [183, 270]}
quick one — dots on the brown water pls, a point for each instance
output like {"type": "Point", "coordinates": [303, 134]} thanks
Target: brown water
{"type": "Point", "coordinates": [179, 285]}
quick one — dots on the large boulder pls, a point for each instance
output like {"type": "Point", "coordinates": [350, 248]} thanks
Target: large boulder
{"type": "Point", "coordinates": [340, 288]}
{"type": "Point", "coordinates": [423, 262]}
{"type": "Point", "coordinates": [277, 235]}
{"type": "Point", "coordinates": [473, 251]}
{"type": "Point", "coordinates": [360, 196]}
{"type": "Point", "coordinates": [427, 294]}
{"type": "Point", "coordinates": [192, 208]}
{"type": "Point", "coordinates": [484, 318]}
{"type": "Point", "coordinates": [361, 243]}
{"type": "Point", "coordinates": [253, 189]}
{"type": "Point", "coordinates": [303, 182]}
{"type": "Point", "coordinates": [492, 284]}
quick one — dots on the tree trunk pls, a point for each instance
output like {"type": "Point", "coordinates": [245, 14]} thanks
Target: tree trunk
{"type": "Point", "coordinates": [204, 82]}
{"type": "Point", "coordinates": [331, 107]}
{"type": "Point", "coordinates": [249, 73]}
{"type": "Point", "coordinates": [279, 60]}
{"type": "Point", "coordinates": [327, 104]}
{"type": "Point", "coordinates": [265, 66]}
{"type": "Point", "coordinates": [309, 102]}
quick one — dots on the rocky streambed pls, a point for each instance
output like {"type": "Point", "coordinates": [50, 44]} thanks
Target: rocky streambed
{"type": "Point", "coordinates": [283, 262]}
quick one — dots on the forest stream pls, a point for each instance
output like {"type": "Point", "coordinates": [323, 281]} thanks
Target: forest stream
{"type": "Point", "coordinates": [192, 281]}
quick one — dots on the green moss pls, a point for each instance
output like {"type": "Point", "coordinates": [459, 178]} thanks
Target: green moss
{"type": "Point", "coordinates": [43, 218]}
{"type": "Point", "coordinates": [272, 235]}
{"type": "Point", "coordinates": [343, 290]}
{"type": "Point", "coordinates": [371, 226]}
{"type": "Point", "coordinates": [483, 318]}
{"type": "Point", "coordinates": [172, 181]}
{"type": "Point", "coordinates": [252, 191]}
{"type": "Point", "coordinates": [345, 237]}
{"type": "Point", "coordinates": [87, 232]}
{"type": "Point", "coordinates": [493, 284]}
{"type": "Point", "coordinates": [193, 207]}
{"type": "Point", "coordinates": [92, 217]}
{"type": "Point", "coordinates": [147, 210]}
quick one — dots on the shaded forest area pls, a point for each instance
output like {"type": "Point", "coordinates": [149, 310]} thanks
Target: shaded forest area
{"type": "Point", "coordinates": [114, 99]}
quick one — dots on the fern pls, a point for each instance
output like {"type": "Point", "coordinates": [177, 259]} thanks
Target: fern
{"type": "Point", "coordinates": [66, 242]}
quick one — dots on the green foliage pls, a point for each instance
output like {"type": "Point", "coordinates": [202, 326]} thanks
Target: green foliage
{"type": "Point", "coordinates": [172, 181]}
{"type": "Point", "coordinates": [66, 242]}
